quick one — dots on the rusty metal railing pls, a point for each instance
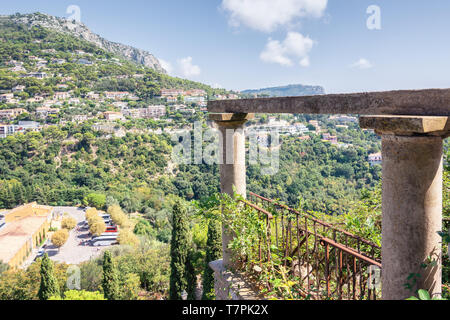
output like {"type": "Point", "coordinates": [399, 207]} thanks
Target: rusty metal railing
{"type": "Point", "coordinates": [324, 261]}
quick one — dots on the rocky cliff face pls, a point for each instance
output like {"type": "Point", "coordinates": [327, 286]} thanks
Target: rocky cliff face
{"type": "Point", "coordinates": [81, 31]}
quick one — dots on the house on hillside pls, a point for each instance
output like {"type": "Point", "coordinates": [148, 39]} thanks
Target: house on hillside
{"type": "Point", "coordinates": [62, 95]}
{"type": "Point", "coordinates": [375, 159]}
{"type": "Point", "coordinates": [6, 97]}
{"type": "Point", "coordinates": [329, 138]}
{"type": "Point", "coordinates": [18, 88]}
{"type": "Point", "coordinates": [116, 95]}
{"type": "Point", "coordinates": [44, 112]}
{"type": "Point", "coordinates": [113, 116]}
{"type": "Point", "coordinates": [10, 114]}
{"type": "Point", "coordinates": [172, 92]}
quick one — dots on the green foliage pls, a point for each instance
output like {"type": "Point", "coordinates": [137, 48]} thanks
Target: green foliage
{"type": "Point", "coordinates": [3, 267]}
{"type": "Point", "coordinates": [73, 295]}
{"type": "Point", "coordinates": [178, 251]}
{"type": "Point", "coordinates": [96, 200]}
{"type": "Point", "coordinates": [424, 295]}
{"type": "Point", "coordinates": [131, 287]}
{"type": "Point", "coordinates": [49, 285]}
{"type": "Point", "coordinates": [191, 276]}
{"type": "Point", "coordinates": [144, 228]}
{"type": "Point", "coordinates": [213, 253]}
{"type": "Point", "coordinates": [110, 283]}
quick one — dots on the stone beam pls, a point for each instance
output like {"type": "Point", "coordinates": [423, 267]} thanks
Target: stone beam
{"type": "Point", "coordinates": [432, 102]}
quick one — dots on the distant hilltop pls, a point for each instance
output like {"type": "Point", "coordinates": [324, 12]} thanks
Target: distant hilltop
{"type": "Point", "coordinates": [81, 31]}
{"type": "Point", "coordinates": [287, 91]}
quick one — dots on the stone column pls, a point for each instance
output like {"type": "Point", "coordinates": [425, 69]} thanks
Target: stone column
{"type": "Point", "coordinates": [232, 162]}
{"type": "Point", "coordinates": [412, 202]}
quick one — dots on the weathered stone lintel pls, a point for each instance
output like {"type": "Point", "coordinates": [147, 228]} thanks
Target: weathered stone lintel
{"type": "Point", "coordinates": [229, 285]}
{"type": "Point", "coordinates": [431, 102]}
{"type": "Point", "coordinates": [407, 125]}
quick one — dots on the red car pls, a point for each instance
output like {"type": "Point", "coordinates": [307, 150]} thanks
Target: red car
{"type": "Point", "coordinates": [111, 229]}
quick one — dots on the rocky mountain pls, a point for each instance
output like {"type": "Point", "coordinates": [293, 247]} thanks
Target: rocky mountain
{"type": "Point", "coordinates": [287, 91]}
{"type": "Point", "coordinates": [83, 32]}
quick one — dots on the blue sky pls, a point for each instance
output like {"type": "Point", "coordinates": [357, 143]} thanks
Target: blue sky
{"type": "Point", "coordinates": [245, 44]}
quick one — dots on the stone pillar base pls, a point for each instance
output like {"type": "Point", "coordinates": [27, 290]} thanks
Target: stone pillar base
{"type": "Point", "coordinates": [229, 285]}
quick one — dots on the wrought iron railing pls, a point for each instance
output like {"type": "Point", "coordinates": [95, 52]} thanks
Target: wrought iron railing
{"type": "Point", "coordinates": [325, 261]}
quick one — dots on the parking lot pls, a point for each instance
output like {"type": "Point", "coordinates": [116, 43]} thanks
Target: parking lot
{"type": "Point", "coordinates": [73, 252]}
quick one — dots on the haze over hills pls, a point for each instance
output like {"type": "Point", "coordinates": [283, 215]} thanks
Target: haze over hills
{"type": "Point", "coordinates": [81, 31]}
{"type": "Point", "coordinates": [287, 91]}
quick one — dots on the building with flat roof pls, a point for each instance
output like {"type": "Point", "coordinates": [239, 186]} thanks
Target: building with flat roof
{"type": "Point", "coordinates": [375, 158]}
{"type": "Point", "coordinates": [26, 228]}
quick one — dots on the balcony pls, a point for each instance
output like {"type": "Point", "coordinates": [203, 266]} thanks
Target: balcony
{"type": "Point", "coordinates": [329, 263]}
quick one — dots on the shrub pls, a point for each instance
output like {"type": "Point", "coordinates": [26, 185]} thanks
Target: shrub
{"type": "Point", "coordinates": [68, 223]}
{"type": "Point", "coordinates": [126, 237]}
{"type": "Point", "coordinates": [144, 228]}
{"type": "Point", "coordinates": [73, 295]}
{"type": "Point", "coordinates": [60, 237]}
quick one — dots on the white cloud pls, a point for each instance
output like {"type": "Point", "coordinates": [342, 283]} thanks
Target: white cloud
{"type": "Point", "coordinates": [362, 64]}
{"type": "Point", "coordinates": [267, 15]}
{"type": "Point", "coordinates": [295, 47]}
{"type": "Point", "coordinates": [187, 68]}
{"type": "Point", "coordinates": [166, 65]}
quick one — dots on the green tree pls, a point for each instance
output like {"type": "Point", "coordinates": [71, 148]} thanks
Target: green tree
{"type": "Point", "coordinates": [49, 285]}
{"type": "Point", "coordinates": [213, 253]}
{"type": "Point", "coordinates": [191, 276]}
{"type": "Point", "coordinates": [96, 200]}
{"type": "Point", "coordinates": [178, 251]}
{"type": "Point", "coordinates": [110, 281]}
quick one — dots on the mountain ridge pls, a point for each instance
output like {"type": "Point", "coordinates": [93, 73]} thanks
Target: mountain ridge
{"type": "Point", "coordinates": [81, 31]}
{"type": "Point", "coordinates": [287, 91]}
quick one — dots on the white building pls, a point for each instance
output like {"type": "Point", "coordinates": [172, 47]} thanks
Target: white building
{"type": "Point", "coordinates": [375, 158]}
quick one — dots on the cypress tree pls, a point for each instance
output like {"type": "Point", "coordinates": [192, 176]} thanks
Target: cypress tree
{"type": "Point", "coordinates": [110, 282]}
{"type": "Point", "coordinates": [191, 277]}
{"type": "Point", "coordinates": [213, 253]}
{"type": "Point", "coordinates": [49, 285]}
{"type": "Point", "coordinates": [178, 251]}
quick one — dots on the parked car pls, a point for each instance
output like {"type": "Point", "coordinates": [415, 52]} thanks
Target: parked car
{"type": "Point", "coordinates": [105, 217]}
{"type": "Point", "coordinates": [40, 254]}
{"type": "Point", "coordinates": [111, 229]}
